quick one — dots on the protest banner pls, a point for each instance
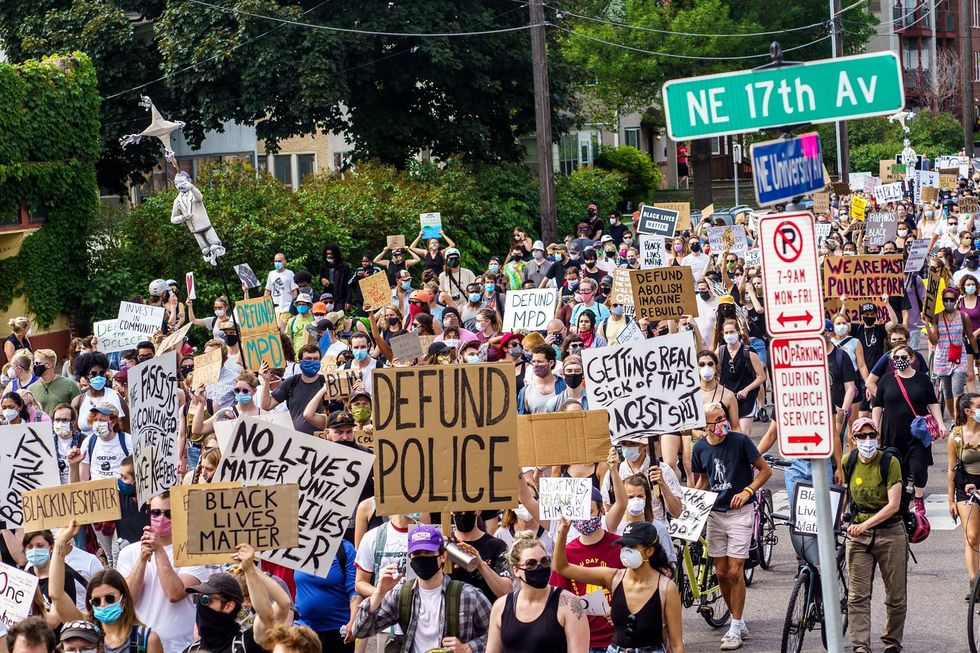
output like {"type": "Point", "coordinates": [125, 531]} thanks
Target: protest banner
{"type": "Point", "coordinates": [886, 171]}
{"type": "Point", "coordinates": [968, 204]}
{"type": "Point", "coordinates": [753, 258]}
{"type": "Point", "coordinates": [929, 194]}
{"type": "Point", "coordinates": [445, 438]}
{"type": "Point", "coordinates": [407, 346]}
{"type": "Point", "coordinates": [87, 503]}
{"type": "Point", "coordinates": [330, 478]}
{"type": "Point", "coordinates": [179, 496]}
{"type": "Point", "coordinates": [925, 179]}
{"type": "Point", "coordinates": [889, 192]}
{"type": "Point", "coordinates": [664, 293]}
{"type": "Point", "coordinates": [247, 276]}
{"type": "Point", "coordinates": [630, 333]}
{"type": "Point", "coordinates": [821, 203]}
{"type": "Point", "coordinates": [857, 180]}
{"type": "Point", "coordinates": [140, 318]}
{"type": "Point", "coordinates": [648, 388]}
{"type": "Point", "coordinates": [191, 288]}
{"type": "Point", "coordinates": [805, 507]}
{"type": "Point", "coordinates": [264, 516]}
{"type": "Point", "coordinates": [396, 242]}
{"type": "Point", "coordinates": [207, 368]}
{"type": "Point", "coordinates": [431, 224]}
{"type": "Point", "coordinates": [707, 211]}
{"type": "Point", "coordinates": [918, 251]}
{"type": "Point", "coordinates": [859, 207]}
{"type": "Point", "coordinates": [880, 228]}
{"type": "Point", "coordinates": [153, 416]}
{"type": "Point", "coordinates": [259, 329]}
{"type": "Point", "coordinates": [566, 497]}
{"type": "Point", "coordinates": [339, 383]}
{"type": "Point", "coordinates": [696, 506]}
{"type": "Point", "coordinates": [731, 238]}
{"type": "Point", "coordinates": [863, 276]}
{"type": "Point", "coordinates": [174, 339]}
{"type": "Point", "coordinates": [595, 603]}
{"type": "Point", "coordinates": [683, 213]}
{"type": "Point", "coordinates": [822, 230]}
{"type": "Point", "coordinates": [622, 291]}
{"type": "Point", "coordinates": [328, 363]}
{"type": "Point", "coordinates": [17, 589]}
{"type": "Point", "coordinates": [224, 428]}
{"type": "Point", "coordinates": [948, 182]}
{"type": "Point", "coordinates": [375, 290]}
{"type": "Point", "coordinates": [652, 254]}
{"type": "Point", "coordinates": [28, 461]}
{"type": "Point", "coordinates": [841, 188]}
{"type": "Point", "coordinates": [529, 310]}
{"type": "Point", "coordinates": [852, 308]}
{"type": "Point", "coordinates": [657, 221]}
{"type": "Point", "coordinates": [565, 438]}
{"type": "Point", "coordinates": [112, 338]}
{"type": "Point", "coordinates": [934, 286]}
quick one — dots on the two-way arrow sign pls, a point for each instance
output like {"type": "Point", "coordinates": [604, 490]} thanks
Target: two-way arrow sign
{"type": "Point", "coordinates": [805, 318]}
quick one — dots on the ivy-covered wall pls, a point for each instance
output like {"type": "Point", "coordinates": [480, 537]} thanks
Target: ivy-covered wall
{"type": "Point", "coordinates": [49, 144]}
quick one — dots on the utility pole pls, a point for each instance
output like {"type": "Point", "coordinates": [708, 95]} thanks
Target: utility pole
{"type": "Point", "coordinates": [542, 123]}
{"type": "Point", "coordinates": [966, 75]}
{"type": "Point", "coordinates": [837, 46]}
{"type": "Point", "coordinates": [933, 58]}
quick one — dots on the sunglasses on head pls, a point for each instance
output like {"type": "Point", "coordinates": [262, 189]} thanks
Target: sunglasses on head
{"type": "Point", "coordinates": [157, 512]}
{"type": "Point", "coordinates": [108, 599]}
{"type": "Point", "coordinates": [532, 564]}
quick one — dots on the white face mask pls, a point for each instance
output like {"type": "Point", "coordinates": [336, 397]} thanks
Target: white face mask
{"type": "Point", "coordinates": [522, 513]}
{"type": "Point", "coordinates": [631, 558]}
{"type": "Point", "coordinates": [631, 454]}
{"type": "Point", "coordinates": [219, 313]}
{"type": "Point", "coordinates": [731, 338]}
{"type": "Point", "coordinates": [636, 505]}
{"type": "Point", "coordinates": [867, 448]}
{"type": "Point", "coordinates": [101, 429]}
{"type": "Point", "coordinates": [842, 330]}
{"type": "Point", "coordinates": [707, 373]}
{"type": "Point", "coordinates": [10, 414]}
{"type": "Point", "coordinates": [62, 428]}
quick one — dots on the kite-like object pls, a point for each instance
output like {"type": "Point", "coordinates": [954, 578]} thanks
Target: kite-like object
{"type": "Point", "coordinates": [159, 128]}
{"type": "Point", "coordinates": [902, 118]}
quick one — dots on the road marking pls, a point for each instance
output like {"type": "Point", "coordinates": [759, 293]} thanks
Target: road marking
{"type": "Point", "coordinates": [937, 511]}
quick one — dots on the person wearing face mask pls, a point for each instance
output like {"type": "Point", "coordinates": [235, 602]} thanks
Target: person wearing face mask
{"type": "Point", "coordinates": [158, 588]}
{"type": "Point", "coordinates": [68, 439]}
{"type": "Point", "coordinates": [297, 390]}
{"type": "Point", "coordinates": [741, 371]}
{"type": "Point", "coordinates": [363, 361]}
{"type": "Point", "coordinates": [51, 388]}
{"type": "Point", "coordinates": [963, 477]}
{"type": "Point", "coordinates": [639, 501]}
{"type": "Point", "coordinates": [642, 574]}
{"type": "Point", "coordinates": [574, 385]}
{"type": "Point", "coordinates": [281, 286]}
{"type": "Point", "coordinates": [244, 390]}
{"type": "Point", "coordinates": [334, 273]}
{"type": "Point", "coordinates": [697, 260]}
{"type": "Point", "coordinates": [397, 263]}
{"type": "Point", "coordinates": [951, 334]}
{"type": "Point", "coordinates": [402, 290]}
{"type": "Point", "coordinates": [454, 278]}
{"type": "Point", "coordinates": [589, 267]}
{"type": "Point", "coordinates": [295, 327]}
{"type": "Point", "coordinates": [221, 309]}
{"type": "Point", "coordinates": [432, 254]}
{"type": "Point", "coordinates": [491, 576]}
{"type": "Point", "coordinates": [725, 462]}
{"type": "Point", "coordinates": [38, 546]}
{"type": "Point", "coordinates": [587, 302]}
{"type": "Point", "coordinates": [873, 335]}
{"type": "Point", "coordinates": [877, 538]}
{"type": "Point", "coordinates": [536, 271]}
{"type": "Point", "coordinates": [536, 618]}
{"type": "Point", "coordinates": [537, 394]}
{"type": "Point", "coordinates": [660, 477]}
{"type": "Point", "coordinates": [94, 367]}
{"type": "Point", "coordinates": [426, 628]}
{"type": "Point", "coordinates": [108, 445]}
{"type": "Point", "coordinates": [969, 304]}
{"type": "Point", "coordinates": [469, 352]}
{"type": "Point", "coordinates": [971, 267]}
{"type": "Point", "coordinates": [14, 409]}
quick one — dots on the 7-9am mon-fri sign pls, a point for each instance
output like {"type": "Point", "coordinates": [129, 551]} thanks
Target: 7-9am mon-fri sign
{"type": "Point", "coordinates": [814, 92]}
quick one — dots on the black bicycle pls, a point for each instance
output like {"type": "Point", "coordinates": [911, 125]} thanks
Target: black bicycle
{"type": "Point", "coordinates": [763, 536]}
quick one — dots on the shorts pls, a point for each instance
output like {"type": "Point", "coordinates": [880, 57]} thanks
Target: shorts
{"type": "Point", "coordinates": [758, 345]}
{"type": "Point", "coordinates": [730, 533]}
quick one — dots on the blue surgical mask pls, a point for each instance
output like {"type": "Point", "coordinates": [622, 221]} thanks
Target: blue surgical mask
{"type": "Point", "coordinates": [976, 416]}
{"type": "Point", "coordinates": [97, 383]}
{"type": "Point", "coordinates": [279, 265]}
{"type": "Point", "coordinates": [125, 489]}
{"type": "Point", "coordinates": [472, 358]}
{"type": "Point", "coordinates": [406, 285]}
{"type": "Point", "coordinates": [302, 309]}
{"type": "Point", "coordinates": [243, 397]}
{"type": "Point", "coordinates": [494, 267]}
{"type": "Point", "coordinates": [360, 355]}
{"type": "Point", "coordinates": [108, 614]}
{"type": "Point", "coordinates": [329, 308]}
{"type": "Point", "coordinates": [490, 287]}
{"type": "Point", "coordinates": [38, 557]}
{"type": "Point", "coordinates": [310, 368]}
{"type": "Point", "coordinates": [474, 297]}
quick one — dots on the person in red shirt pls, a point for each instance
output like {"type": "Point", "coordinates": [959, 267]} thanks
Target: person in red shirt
{"type": "Point", "coordinates": [682, 167]}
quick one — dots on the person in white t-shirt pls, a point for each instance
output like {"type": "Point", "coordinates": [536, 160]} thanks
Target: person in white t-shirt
{"type": "Point", "coordinates": [281, 287]}
{"type": "Point", "coordinates": [103, 451]}
{"type": "Point", "coordinates": [697, 259]}
{"type": "Point", "coordinates": [159, 589]}
{"type": "Point", "coordinates": [86, 564]}
{"type": "Point", "coordinates": [381, 546]}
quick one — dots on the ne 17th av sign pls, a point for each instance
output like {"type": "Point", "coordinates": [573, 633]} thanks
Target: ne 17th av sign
{"type": "Point", "coordinates": [814, 92]}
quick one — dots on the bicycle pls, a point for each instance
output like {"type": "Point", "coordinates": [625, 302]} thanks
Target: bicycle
{"type": "Point", "coordinates": [972, 622]}
{"type": "Point", "coordinates": [763, 536]}
{"type": "Point", "coordinates": [697, 582]}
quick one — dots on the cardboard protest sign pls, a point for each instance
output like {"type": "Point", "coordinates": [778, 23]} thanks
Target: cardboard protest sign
{"type": "Point", "coordinates": [630, 333]}
{"type": "Point", "coordinates": [330, 477]}
{"type": "Point", "coordinates": [648, 388]}
{"type": "Point", "coordinates": [707, 211]}
{"type": "Point", "coordinates": [805, 507]}
{"type": "Point", "coordinates": [339, 383]}
{"type": "Point", "coordinates": [179, 497]}
{"type": "Point", "coordinates": [112, 338]}
{"type": "Point", "coordinates": [859, 207]}
{"type": "Point", "coordinates": [247, 276]}
{"type": "Point", "coordinates": [265, 516]}
{"type": "Point", "coordinates": [375, 290]}
{"type": "Point", "coordinates": [407, 346]}
{"type": "Point", "coordinates": [880, 228]}
{"type": "Point", "coordinates": [566, 497]}
{"type": "Point", "coordinates": [731, 237]}
{"type": "Point", "coordinates": [683, 213]}
{"type": "Point", "coordinates": [622, 290]}
{"type": "Point", "coordinates": [426, 341]}
{"type": "Point", "coordinates": [431, 224]}
{"type": "Point", "coordinates": [564, 438]}
{"type": "Point", "coordinates": [886, 171]}
{"type": "Point", "coordinates": [852, 308]}
{"type": "Point", "coordinates": [929, 194]}
{"type": "Point", "coordinates": [968, 204]}
{"type": "Point", "coordinates": [174, 339]}
{"type": "Point", "coordinates": [17, 589]}
{"type": "Point", "coordinates": [697, 505]}
{"type": "Point", "coordinates": [207, 368]}
{"type": "Point", "coordinates": [657, 221]}
{"type": "Point", "coordinates": [652, 251]}
{"type": "Point", "coordinates": [191, 288]}
{"type": "Point", "coordinates": [445, 438]}
{"type": "Point", "coordinates": [154, 420]}
{"type": "Point", "coordinates": [917, 251]}
{"type": "Point", "coordinates": [934, 287]}
{"type": "Point", "coordinates": [863, 276]}
{"type": "Point", "coordinates": [396, 242]}
{"type": "Point", "coordinates": [28, 461]}
{"type": "Point", "coordinates": [948, 182]}
{"type": "Point", "coordinates": [889, 192]}
{"type": "Point", "coordinates": [87, 503]}
{"type": "Point", "coordinates": [140, 318]}
{"type": "Point", "coordinates": [259, 329]}
{"type": "Point", "coordinates": [664, 293]}
{"type": "Point", "coordinates": [821, 203]}
{"type": "Point", "coordinates": [841, 188]}
{"type": "Point", "coordinates": [529, 310]}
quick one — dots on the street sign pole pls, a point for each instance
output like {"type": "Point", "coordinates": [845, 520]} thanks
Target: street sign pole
{"type": "Point", "coordinates": [736, 159]}
{"type": "Point", "coordinates": [827, 552]}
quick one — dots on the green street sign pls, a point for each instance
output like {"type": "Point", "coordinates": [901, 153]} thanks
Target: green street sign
{"type": "Point", "coordinates": [818, 91]}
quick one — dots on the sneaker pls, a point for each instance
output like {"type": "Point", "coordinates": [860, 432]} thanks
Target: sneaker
{"type": "Point", "coordinates": [744, 632]}
{"type": "Point", "coordinates": [892, 649]}
{"type": "Point", "coordinates": [731, 641]}
{"type": "Point", "coordinates": [763, 415]}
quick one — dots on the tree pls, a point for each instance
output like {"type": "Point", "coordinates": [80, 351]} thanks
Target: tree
{"type": "Point", "coordinates": [944, 95]}
{"type": "Point", "coordinates": [642, 176]}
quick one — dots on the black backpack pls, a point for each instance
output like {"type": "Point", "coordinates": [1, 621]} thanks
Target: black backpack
{"type": "Point", "coordinates": [885, 462]}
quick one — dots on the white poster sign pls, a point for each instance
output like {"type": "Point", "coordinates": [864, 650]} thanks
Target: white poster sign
{"type": "Point", "coordinates": [153, 416]}
{"type": "Point", "coordinates": [28, 461]}
{"type": "Point", "coordinates": [732, 238]}
{"type": "Point", "coordinates": [696, 506]}
{"type": "Point", "coordinates": [918, 251]}
{"type": "Point", "coordinates": [652, 251]}
{"type": "Point", "coordinates": [17, 595]}
{"type": "Point", "coordinates": [889, 192]}
{"type": "Point", "coordinates": [140, 318]}
{"type": "Point", "coordinates": [805, 507]}
{"type": "Point", "coordinates": [112, 339]}
{"type": "Point", "coordinates": [529, 310]}
{"type": "Point", "coordinates": [566, 497]}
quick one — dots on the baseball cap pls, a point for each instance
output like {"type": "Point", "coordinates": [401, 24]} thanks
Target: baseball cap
{"type": "Point", "coordinates": [356, 394]}
{"type": "Point", "coordinates": [538, 245]}
{"type": "Point", "coordinates": [593, 206]}
{"type": "Point", "coordinates": [304, 298]}
{"type": "Point", "coordinates": [437, 348]}
{"type": "Point", "coordinates": [638, 533]}
{"type": "Point", "coordinates": [340, 418]}
{"type": "Point", "coordinates": [319, 307]}
{"type": "Point", "coordinates": [869, 307]}
{"type": "Point", "coordinates": [860, 423]}
{"type": "Point", "coordinates": [105, 408]}
{"type": "Point", "coordinates": [606, 238]}
{"type": "Point", "coordinates": [82, 629]}
{"type": "Point", "coordinates": [327, 296]}
{"type": "Point", "coordinates": [828, 325]}
{"type": "Point", "coordinates": [425, 538]}
{"type": "Point", "coordinates": [221, 583]}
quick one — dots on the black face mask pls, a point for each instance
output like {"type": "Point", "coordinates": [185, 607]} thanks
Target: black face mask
{"type": "Point", "coordinates": [217, 629]}
{"type": "Point", "coordinates": [537, 577]}
{"type": "Point", "coordinates": [870, 320]}
{"type": "Point", "coordinates": [726, 310]}
{"type": "Point", "coordinates": [704, 294]}
{"type": "Point", "coordinates": [695, 247]}
{"type": "Point", "coordinates": [425, 567]}
{"type": "Point", "coordinates": [465, 521]}
{"type": "Point", "coordinates": [394, 321]}
{"type": "Point", "coordinates": [231, 340]}
{"type": "Point", "coordinates": [39, 370]}
{"type": "Point", "coordinates": [573, 381]}
{"type": "Point", "coordinates": [452, 261]}
{"type": "Point", "coordinates": [186, 370]}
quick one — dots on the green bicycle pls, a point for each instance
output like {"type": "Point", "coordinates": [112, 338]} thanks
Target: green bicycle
{"type": "Point", "coordinates": [697, 582]}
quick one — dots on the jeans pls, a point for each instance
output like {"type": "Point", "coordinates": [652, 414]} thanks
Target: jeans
{"type": "Point", "coordinates": [801, 470]}
{"type": "Point", "coordinates": [759, 347]}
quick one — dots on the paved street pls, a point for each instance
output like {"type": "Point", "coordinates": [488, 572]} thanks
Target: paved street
{"type": "Point", "coordinates": [937, 584]}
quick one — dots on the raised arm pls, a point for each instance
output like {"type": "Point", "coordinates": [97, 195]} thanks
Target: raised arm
{"type": "Point", "coordinates": [601, 576]}
{"type": "Point", "coordinates": [316, 419]}
{"type": "Point", "coordinates": [64, 606]}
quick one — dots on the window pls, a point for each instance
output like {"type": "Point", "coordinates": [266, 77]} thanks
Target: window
{"type": "Point", "coordinates": [974, 13]}
{"type": "Point", "coordinates": [38, 214]}
{"type": "Point", "coordinates": [263, 163]}
{"type": "Point", "coordinates": [23, 218]}
{"type": "Point", "coordinates": [282, 165]}
{"type": "Point", "coordinates": [976, 66]}
{"type": "Point", "coordinates": [568, 153]}
{"type": "Point", "coordinates": [306, 165]}
{"type": "Point", "coordinates": [342, 160]}
{"type": "Point", "coordinates": [633, 133]}
{"type": "Point", "coordinates": [715, 146]}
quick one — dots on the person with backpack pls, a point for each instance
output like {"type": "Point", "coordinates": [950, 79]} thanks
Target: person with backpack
{"type": "Point", "coordinates": [328, 604]}
{"type": "Point", "coordinates": [877, 537]}
{"type": "Point", "coordinates": [963, 478]}
{"type": "Point", "coordinates": [217, 603]}
{"type": "Point", "coordinates": [434, 611]}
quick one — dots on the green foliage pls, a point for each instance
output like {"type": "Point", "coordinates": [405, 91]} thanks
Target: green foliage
{"type": "Point", "coordinates": [576, 191]}
{"type": "Point", "coordinates": [49, 143]}
{"type": "Point", "coordinates": [642, 174]}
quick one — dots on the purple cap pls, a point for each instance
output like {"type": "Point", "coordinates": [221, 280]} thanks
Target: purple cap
{"type": "Point", "coordinates": [424, 538]}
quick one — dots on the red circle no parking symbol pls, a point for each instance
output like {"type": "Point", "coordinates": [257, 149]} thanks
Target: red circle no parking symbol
{"type": "Point", "coordinates": [788, 241]}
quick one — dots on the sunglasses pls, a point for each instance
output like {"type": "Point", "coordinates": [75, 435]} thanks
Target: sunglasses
{"type": "Point", "coordinates": [108, 599]}
{"type": "Point", "coordinates": [706, 364]}
{"type": "Point", "coordinates": [240, 390]}
{"type": "Point", "coordinates": [96, 373]}
{"type": "Point", "coordinates": [204, 599]}
{"type": "Point", "coordinates": [532, 564]}
{"type": "Point", "coordinates": [414, 302]}
{"type": "Point", "coordinates": [157, 512]}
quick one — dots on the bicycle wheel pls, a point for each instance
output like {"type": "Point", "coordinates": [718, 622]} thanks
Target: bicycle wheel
{"type": "Point", "coordinates": [795, 625]}
{"type": "Point", "coordinates": [972, 622]}
{"type": "Point", "coordinates": [768, 526]}
{"type": "Point", "coordinates": [713, 608]}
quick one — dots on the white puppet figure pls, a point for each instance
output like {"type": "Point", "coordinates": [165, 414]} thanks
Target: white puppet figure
{"type": "Point", "coordinates": [189, 209]}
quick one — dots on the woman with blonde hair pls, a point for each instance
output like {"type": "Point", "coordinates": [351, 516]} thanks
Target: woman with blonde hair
{"type": "Point", "coordinates": [19, 339]}
{"type": "Point", "coordinates": [246, 385]}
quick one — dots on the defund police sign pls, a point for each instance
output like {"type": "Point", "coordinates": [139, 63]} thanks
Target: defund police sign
{"type": "Point", "coordinates": [787, 168]}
